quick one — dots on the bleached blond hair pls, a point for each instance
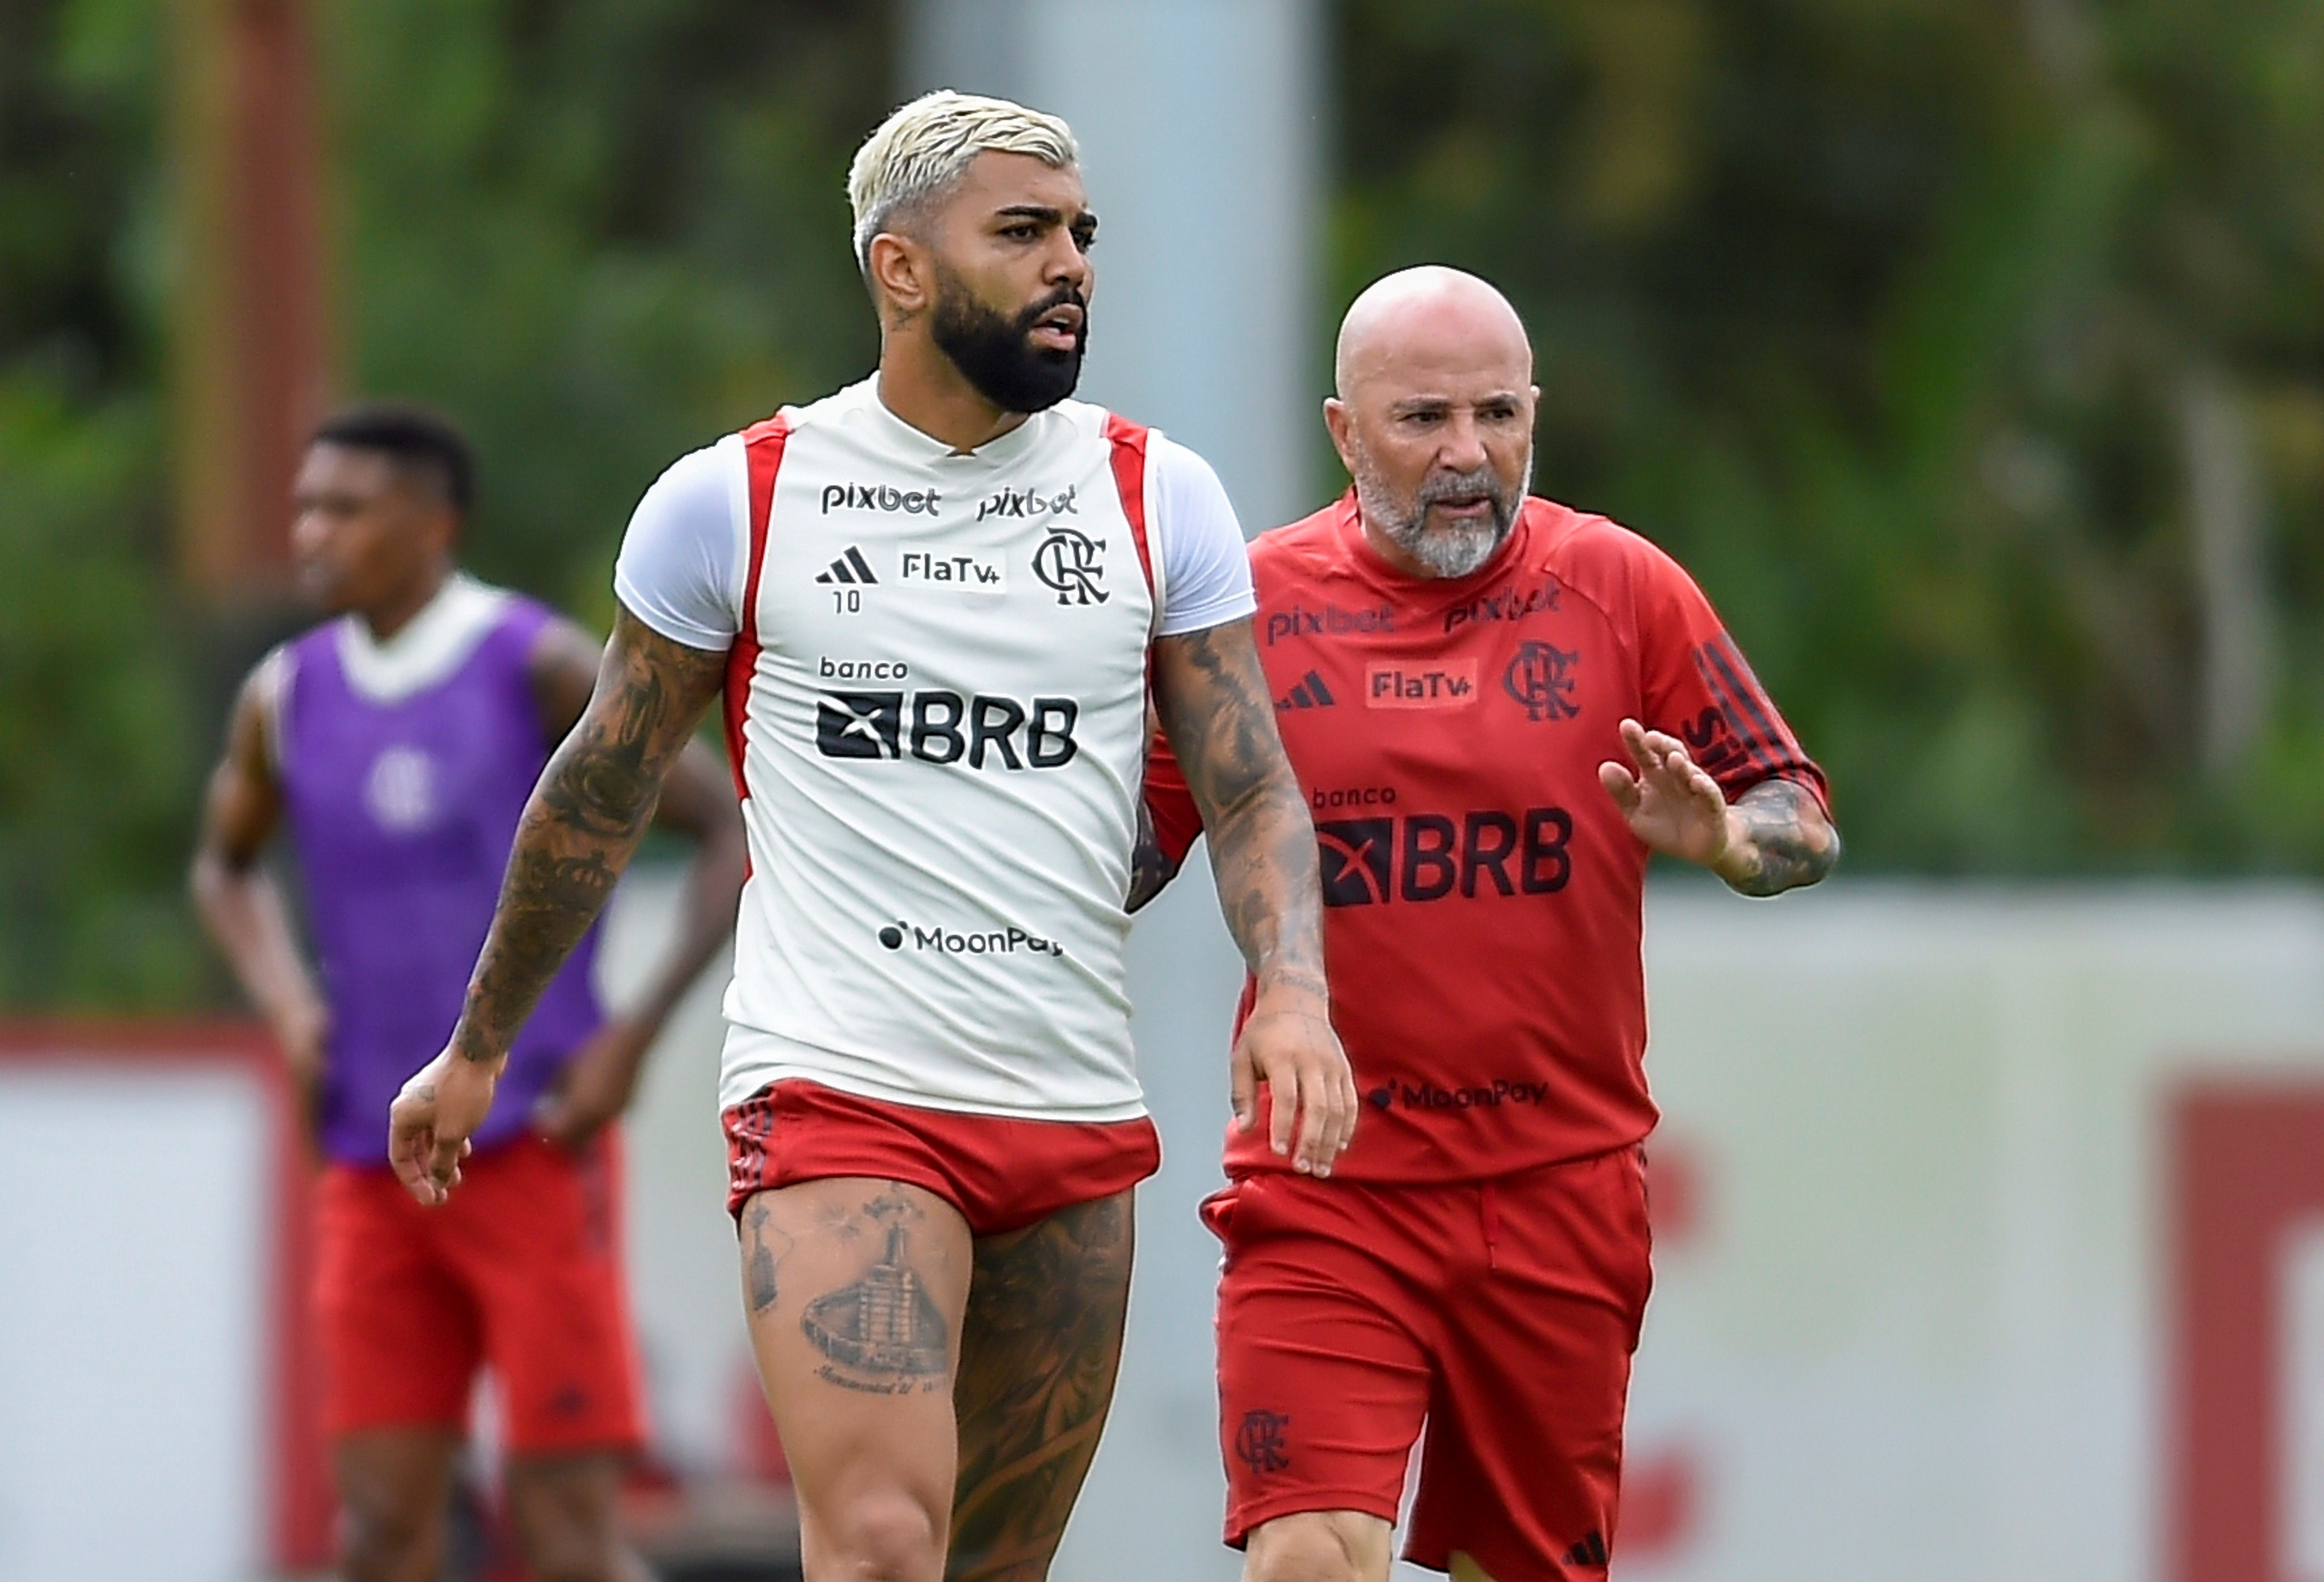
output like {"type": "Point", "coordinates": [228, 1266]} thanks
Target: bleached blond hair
{"type": "Point", "coordinates": [921, 149]}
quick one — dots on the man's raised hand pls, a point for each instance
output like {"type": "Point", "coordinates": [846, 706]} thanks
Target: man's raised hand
{"type": "Point", "coordinates": [1671, 803]}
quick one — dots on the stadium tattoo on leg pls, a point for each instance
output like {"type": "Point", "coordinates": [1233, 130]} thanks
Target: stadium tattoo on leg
{"type": "Point", "coordinates": [883, 1333]}
{"type": "Point", "coordinates": [1039, 1354]}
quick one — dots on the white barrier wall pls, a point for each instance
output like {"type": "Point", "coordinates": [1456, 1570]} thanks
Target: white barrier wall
{"type": "Point", "coordinates": [1918, 1278]}
{"type": "Point", "coordinates": [135, 1251]}
{"type": "Point", "coordinates": [1921, 1326]}
{"type": "Point", "coordinates": [1911, 1193]}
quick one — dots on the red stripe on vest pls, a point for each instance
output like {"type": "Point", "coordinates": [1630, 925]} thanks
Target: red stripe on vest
{"type": "Point", "coordinates": [762, 449]}
{"type": "Point", "coordinates": [1129, 477]}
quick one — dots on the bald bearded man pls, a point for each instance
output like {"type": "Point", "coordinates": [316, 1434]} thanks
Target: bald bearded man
{"type": "Point", "coordinates": [1498, 707]}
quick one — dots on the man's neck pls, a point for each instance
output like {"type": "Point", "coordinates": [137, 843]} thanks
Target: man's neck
{"type": "Point", "coordinates": [391, 616]}
{"type": "Point", "coordinates": [920, 384]}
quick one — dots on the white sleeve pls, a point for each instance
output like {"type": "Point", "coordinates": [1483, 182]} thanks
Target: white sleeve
{"type": "Point", "coordinates": [271, 685]}
{"type": "Point", "coordinates": [1205, 565]}
{"type": "Point", "coordinates": [681, 569]}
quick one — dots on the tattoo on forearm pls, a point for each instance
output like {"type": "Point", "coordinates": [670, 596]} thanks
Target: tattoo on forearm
{"type": "Point", "coordinates": [883, 1333]}
{"type": "Point", "coordinates": [1262, 844]}
{"type": "Point", "coordinates": [1792, 842]}
{"type": "Point", "coordinates": [1041, 1343]}
{"type": "Point", "coordinates": [578, 831]}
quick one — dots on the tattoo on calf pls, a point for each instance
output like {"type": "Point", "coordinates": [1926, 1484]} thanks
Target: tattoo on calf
{"type": "Point", "coordinates": [883, 1333]}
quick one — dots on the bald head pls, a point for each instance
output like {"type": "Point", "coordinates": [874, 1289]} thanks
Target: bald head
{"type": "Point", "coordinates": [1433, 417]}
{"type": "Point", "coordinates": [1431, 317]}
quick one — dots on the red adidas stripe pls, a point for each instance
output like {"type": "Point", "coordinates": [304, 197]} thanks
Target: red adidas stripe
{"type": "Point", "coordinates": [762, 447]}
{"type": "Point", "coordinates": [1129, 440]}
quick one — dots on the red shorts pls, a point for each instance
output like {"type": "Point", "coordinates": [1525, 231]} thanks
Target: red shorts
{"type": "Point", "coordinates": [520, 1271]}
{"type": "Point", "coordinates": [1502, 1313]}
{"type": "Point", "coordinates": [1000, 1173]}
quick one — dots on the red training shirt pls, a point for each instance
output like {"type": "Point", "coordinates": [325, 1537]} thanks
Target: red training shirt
{"type": "Point", "coordinates": [1482, 893]}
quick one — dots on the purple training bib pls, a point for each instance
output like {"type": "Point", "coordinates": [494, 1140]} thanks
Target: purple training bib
{"type": "Point", "coordinates": [403, 813]}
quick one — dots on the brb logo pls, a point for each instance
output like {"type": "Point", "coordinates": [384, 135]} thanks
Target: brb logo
{"type": "Point", "coordinates": [881, 497]}
{"type": "Point", "coordinates": [943, 727]}
{"type": "Point", "coordinates": [1068, 564]}
{"type": "Point", "coordinates": [1426, 855]}
{"type": "Point", "coordinates": [1541, 678]}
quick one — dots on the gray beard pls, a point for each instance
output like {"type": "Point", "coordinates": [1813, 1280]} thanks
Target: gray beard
{"type": "Point", "coordinates": [1452, 551]}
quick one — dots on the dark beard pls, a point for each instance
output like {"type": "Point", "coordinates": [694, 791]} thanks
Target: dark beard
{"type": "Point", "coordinates": [993, 353]}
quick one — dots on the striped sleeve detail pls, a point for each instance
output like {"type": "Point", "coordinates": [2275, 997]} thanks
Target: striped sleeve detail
{"type": "Point", "coordinates": [1752, 719]}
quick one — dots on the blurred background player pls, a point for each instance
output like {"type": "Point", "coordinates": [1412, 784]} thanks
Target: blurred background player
{"type": "Point", "coordinates": [399, 739]}
{"type": "Point", "coordinates": [1499, 707]}
{"type": "Point", "coordinates": [934, 600]}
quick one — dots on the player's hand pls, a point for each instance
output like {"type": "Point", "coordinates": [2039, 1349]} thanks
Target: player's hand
{"type": "Point", "coordinates": [1288, 1044]}
{"type": "Point", "coordinates": [597, 1084]}
{"type": "Point", "coordinates": [1670, 804]}
{"type": "Point", "coordinates": [431, 1122]}
{"type": "Point", "coordinates": [304, 1032]}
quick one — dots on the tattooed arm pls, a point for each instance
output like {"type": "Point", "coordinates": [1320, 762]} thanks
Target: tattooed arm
{"type": "Point", "coordinates": [579, 828]}
{"type": "Point", "coordinates": [697, 803]}
{"type": "Point", "coordinates": [1779, 838]}
{"type": "Point", "coordinates": [1774, 838]}
{"type": "Point", "coordinates": [1215, 711]}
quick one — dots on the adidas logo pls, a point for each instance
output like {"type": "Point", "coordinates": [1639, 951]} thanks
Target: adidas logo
{"type": "Point", "coordinates": [1589, 1551]}
{"type": "Point", "coordinates": [1310, 693]}
{"type": "Point", "coordinates": [850, 568]}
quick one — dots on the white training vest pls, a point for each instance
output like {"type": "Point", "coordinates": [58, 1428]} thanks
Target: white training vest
{"type": "Point", "coordinates": [937, 704]}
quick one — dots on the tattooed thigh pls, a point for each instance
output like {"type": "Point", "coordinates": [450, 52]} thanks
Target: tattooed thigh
{"type": "Point", "coordinates": [856, 1284]}
{"type": "Point", "coordinates": [1039, 1348]}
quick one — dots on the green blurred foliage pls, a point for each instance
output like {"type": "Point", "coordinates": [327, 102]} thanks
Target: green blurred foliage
{"type": "Point", "coordinates": [99, 750]}
{"type": "Point", "coordinates": [1971, 352]}
{"type": "Point", "coordinates": [1955, 344]}
{"type": "Point", "coordinates": [597, 234]}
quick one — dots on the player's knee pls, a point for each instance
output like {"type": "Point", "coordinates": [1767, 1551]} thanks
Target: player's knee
{"type": "Point", "coordinates": [1318, 1546]}
{"type": "Point", "coordinates": [889, 1537]}
{"type": "Point", "coordinates": [578, 1556]}
{"type": "Point", "coordinates": [385, 1542]}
